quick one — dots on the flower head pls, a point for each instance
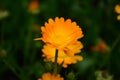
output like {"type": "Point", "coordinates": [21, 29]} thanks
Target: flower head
{"type": "Point", "coordinates": [65, 57]}
{"type": "Point", "coordinates": [118, 17]}
{"type": "Point", "coordinates": [34, 7]}
{"type": "Point", "coordinates": [101, 46]}
{"type": "Point", "coordinates": [60, 33]}
{"type": "Point", "coordinates": [49, 76]}
{"type": "Point", "coordinates": [117, 8]}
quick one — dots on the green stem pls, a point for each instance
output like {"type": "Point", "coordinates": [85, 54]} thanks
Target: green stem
{"type": "Point", "coordinates": [28, 39]}
{"type": "Point", "coordinates": [115, 43]}
{"type": "Point", "coordinates": [55, 64]}
{"type": "Point", "coordinates": [108, 55]}
{"type": "Point", "coordinates": [110, 52]}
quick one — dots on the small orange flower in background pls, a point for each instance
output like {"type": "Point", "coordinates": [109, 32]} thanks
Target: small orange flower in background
{"type": "Point", "coordinates": [34, 6]}
{"type": "Point", "coordinates": [49, 76]}
{"type": "Point", "coordinates": [60, 33]}
{"type": "Point", "coordinates": [100, 47]}
{"type": "Point", "coordinates": [65, 57]}
{"type": "Point", "coordinates": [118, 17]}
{"type": "Point", "coordinates": [117, 8]}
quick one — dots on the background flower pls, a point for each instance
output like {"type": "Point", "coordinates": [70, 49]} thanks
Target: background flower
{"type": "Point", "coordinates": [34, 6]}
{"type": "Point", "coordinates": [118, 17]}
{"type": "Point", "coordinates": [101, 46]}
{"type": "Point", "coordinates": [117, 8]}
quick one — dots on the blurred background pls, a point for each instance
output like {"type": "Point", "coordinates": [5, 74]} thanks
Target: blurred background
{"type": "Point", "coordinates": [20, 55]}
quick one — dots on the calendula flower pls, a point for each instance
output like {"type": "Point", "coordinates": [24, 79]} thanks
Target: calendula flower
{"type": "Point", "coordinates": [118, 17]}
{"type": "Point", "coordinates": [49, 76]}
{"type": "Point", "coordinates": [101, 47]}
{"type": "Point", "coordinates": [65, 57]}
{"type": "Point", "coordinates": [117, 8]}
{"type": "Point", "coordinates": [34, 7]}
{"type": "Point", "coordinates": [60, 33]}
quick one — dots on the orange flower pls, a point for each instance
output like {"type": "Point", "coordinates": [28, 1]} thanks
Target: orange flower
{"type": "Point", "coordinates": [60, 33]}
{"type": "Point", "coordinates": [49, 76]}
{"type": "Point", "coordinates": [33, 6]}
{"type": "Point", "coordinates": [65, 57]}
{"type": "Point", "coordinates": [118, 17]}
{"type": "Point", "coordinates": [117, 8]}
{"type": "Point", "coordinates": [100, 47]}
